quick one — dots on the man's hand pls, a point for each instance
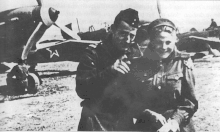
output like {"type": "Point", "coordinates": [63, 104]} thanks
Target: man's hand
{"type": "Point", "coordinates": [170, 126]}
{"type": "Point", "coordinates": [157, 119]}
{"type": "Point", "coordinates": [121, 65]}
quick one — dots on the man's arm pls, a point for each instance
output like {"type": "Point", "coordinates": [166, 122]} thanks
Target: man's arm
{"type": "Point", "coordinates": [90, 80]}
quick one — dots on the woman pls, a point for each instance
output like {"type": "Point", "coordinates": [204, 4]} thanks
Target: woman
{"type": "Point", "coordinates": [159, 89]}
{"type": "Point", "coordinates": [162, 83]}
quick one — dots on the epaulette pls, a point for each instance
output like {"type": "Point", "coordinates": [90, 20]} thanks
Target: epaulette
{"type": "Point", "coordinates": [184, 55]}
{"type": "Point", "coordinates": [91, 49]}
{"type": "Point", "coordinates": [188, 63]}
{"type": "Point", "coordinates": [93, 46]}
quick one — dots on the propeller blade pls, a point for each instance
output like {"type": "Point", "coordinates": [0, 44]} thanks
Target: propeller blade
{"type": "Point", "coordinates": [67, 31]}
{"type": "Point", "coordinates": [35, 36]}
{"type": "Point", "coordinates": [40, 2]}
{"type": "Point", "coordinates": [159, 8]}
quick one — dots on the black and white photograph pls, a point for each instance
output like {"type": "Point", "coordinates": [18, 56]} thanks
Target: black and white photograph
{"type": "Point", "coordinates": [110, 65]}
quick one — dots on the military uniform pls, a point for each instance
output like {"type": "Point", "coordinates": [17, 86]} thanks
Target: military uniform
{"type": "Point", "coordinates": [165, 87]}
{"type": "Point", "coordinates": [94, 74]}
{"type": "Point", "coordinates": [98, 68]}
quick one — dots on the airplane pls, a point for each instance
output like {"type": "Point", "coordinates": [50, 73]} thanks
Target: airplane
{"type": "Point", "coordinates": [22, 28]}
{"type": "Point", "coordinates": [70, 50]}
{"type": "Point", "coordinates": [20, 24]}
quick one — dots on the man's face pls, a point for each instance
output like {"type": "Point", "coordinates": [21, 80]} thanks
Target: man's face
{"type": "Point", "coordinates": [164, 44]}
{"type": "Point", "coordinates": [123, 36]}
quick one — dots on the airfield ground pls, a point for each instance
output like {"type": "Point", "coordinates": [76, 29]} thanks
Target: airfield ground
{"type": "Point", "coordinates": [56, 108]}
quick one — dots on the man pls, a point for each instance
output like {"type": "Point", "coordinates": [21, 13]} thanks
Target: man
{"type": "Point", "coordinates": [213, 29]}
{"type": "Point", "coordinates": [98, 68]}
{"type": "Point", "coordinates": [213, 24]}
{"type": "Point", "coordinates": [17, 78]}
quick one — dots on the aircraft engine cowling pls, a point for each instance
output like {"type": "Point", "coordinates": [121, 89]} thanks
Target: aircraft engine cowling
{"type": "Point", "coordinates": [47, 15]}
{"type": "Point", "coordinates": [18, 24]}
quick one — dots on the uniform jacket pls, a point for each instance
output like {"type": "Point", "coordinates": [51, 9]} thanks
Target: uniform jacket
{"type": "Point", "coordinates": [94, 74]}
{"type": "Point", "coordinates": [163, 86]}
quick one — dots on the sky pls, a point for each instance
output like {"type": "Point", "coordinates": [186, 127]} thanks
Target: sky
{"type": "Point", "coordinates": [185, 14]}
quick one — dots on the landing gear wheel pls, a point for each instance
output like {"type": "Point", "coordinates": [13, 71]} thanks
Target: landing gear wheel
{"type": "Point", "coordinates": [33, 83]}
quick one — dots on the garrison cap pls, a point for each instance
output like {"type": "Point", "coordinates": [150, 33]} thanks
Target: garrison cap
{"type": "Point", "coordinates": [161, 22]}
{"type": "Point", "coordinates": [129, 15]}
{"type": "Point", "coordinates": [160, 25]}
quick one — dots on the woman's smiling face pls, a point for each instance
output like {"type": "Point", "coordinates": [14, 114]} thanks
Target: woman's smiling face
{"type": "Point", "coordinates": [164, 44]}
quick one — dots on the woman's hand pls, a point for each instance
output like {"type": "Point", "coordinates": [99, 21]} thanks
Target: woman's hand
{"type": "Point", "coordinates": [170, 126]}
{"type": "Point", "coordinates": [157, 119]}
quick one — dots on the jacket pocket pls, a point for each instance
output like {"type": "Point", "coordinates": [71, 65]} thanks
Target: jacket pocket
{"type": "Point", "coordinates": [174, 81]}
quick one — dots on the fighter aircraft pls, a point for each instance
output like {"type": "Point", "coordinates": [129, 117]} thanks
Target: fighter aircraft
{"type": "Point", "coordinates": [19, 25]}
{"type": "Point", "coordinates": [22, 28]}
{"type": "Point", "coordinates": [25, 26]}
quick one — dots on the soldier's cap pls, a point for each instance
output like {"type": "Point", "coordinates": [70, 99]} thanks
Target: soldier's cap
{"type": "Point", "coordinates": [130, 16]}
{"type": "Point", "coordinates": [159, 23]}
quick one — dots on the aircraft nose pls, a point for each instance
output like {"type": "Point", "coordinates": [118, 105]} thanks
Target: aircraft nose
{"type": "Point", "coordinates": [48, 15]}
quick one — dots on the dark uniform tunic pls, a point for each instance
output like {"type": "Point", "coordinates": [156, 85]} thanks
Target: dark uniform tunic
{"type": "Point", "coordinates": [94, 74]}
{"type": "Point", "coordinates": [213, 24]}
{"type": "Point", "coordinates": [166, 87]}
{"type": "Point", "coordinates": [111, 101]}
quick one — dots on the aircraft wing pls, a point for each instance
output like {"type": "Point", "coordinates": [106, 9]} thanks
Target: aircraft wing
{"type": "Point", "coordinates": [59, 50]}
{"type": "Point", "coordinates": [59, 42]}
{"type": "Point", "coordinates": [214, 40]}
{"type": "Point", "coordinates": [196, 42]}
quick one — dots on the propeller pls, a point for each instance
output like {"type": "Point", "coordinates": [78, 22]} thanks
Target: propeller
{"type": "Point", "coordinates": [40, 2]}
{"type": "Point", "coordinates": [67, 31]}
{"type": "Point", "coordinates": [48, 16]}
{"type": "Point", "coordinates": [35, 36]}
